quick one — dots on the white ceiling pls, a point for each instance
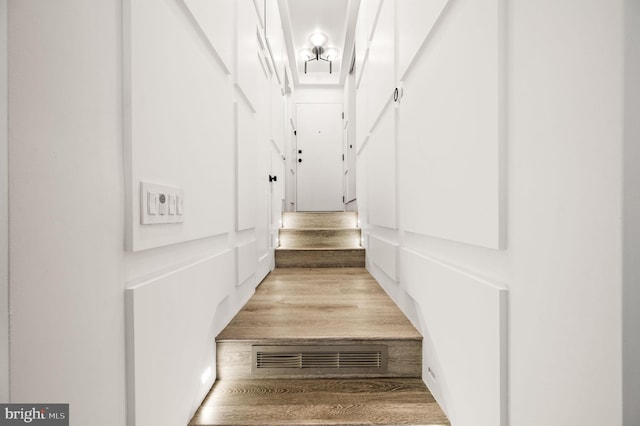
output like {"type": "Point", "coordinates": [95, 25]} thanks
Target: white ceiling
{"type": "Point", "coordinates": [336, 19]}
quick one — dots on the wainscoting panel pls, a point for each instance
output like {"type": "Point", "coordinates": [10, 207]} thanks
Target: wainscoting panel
{"type": "Point", "coordinates": [381, 173]}
{"type": "Point", "coordinates": [247, 170]}
{"type": "Point", "coordinates": [247, 260]}
{"type": "Point", "coordinates": [380, 64]}
{"type": "Point", "coordinates": [171, 327]}
{"type": "Point", "coordinates": [464, 324]}
{"type": "Point", "coordinates": [383, 254]}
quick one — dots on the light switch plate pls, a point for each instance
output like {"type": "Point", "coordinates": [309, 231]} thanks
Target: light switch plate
{"type": "Point", "coordinates": [160, 204]}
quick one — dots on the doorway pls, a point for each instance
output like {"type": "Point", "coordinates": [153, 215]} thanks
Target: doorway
{"type": "Point", "coordinates": [319, 157]}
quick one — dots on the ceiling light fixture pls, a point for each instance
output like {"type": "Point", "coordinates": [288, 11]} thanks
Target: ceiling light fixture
{"type": "Point", "coordinates": [318, 40]}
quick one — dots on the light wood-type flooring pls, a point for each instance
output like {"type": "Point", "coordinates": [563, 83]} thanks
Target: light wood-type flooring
{"type": "Point", "coordinates": [319, 303]}
{"type": "Point", "coordinates": [319, 306]}
{"type": "Point", "coordinates": [319, 240]}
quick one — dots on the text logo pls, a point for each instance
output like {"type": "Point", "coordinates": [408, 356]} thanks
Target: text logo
{"type": "Point", "coordinates": [34, 414]}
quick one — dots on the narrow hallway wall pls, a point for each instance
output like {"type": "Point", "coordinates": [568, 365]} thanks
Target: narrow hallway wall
{"type": "Point", "coordinates": [115, 318]}
{"type": "Point", "coordinates": [66, 207]}
{"type": "Point", "coordinates": [490, 194]}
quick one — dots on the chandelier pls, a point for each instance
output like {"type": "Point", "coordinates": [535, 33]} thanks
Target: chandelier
{"type": "Point", "coordinates": [318, 52]}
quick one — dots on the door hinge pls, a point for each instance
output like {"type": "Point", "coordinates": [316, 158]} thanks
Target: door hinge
{"type": "Point", "coordinates": [342, 157]}
{"type": "Point", "coordinates": [295, 132]}
{"type": "Point", "coordinates": [343, 115]}
{"type": "Point", "coordinates": [343, 198]}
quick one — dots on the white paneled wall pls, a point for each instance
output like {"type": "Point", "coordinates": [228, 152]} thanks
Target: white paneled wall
{"type": "Point", "coordinates": [382, 178]}
{"type": "Point", "coordinates": [175, 92]}
{"type": "Point", "coordinates": [415, 29]}
{"type": "Point", "coordinates": [242, 144]}
{"type": "Point", "coordinates": [213, 19]}
{"type": "Point", "coordinates": [380, 67]}
{"type": "Point", "coordinates": [429, 164]}
{"type": "Point", "coordinates": [175, 87]}
{"type": "Point", "coordinates": [178, 307]}
{"type": "Point", "coordinates": [248, 167]}
{"type": "Point", "coordinates": [450, 137]}
{"type": "Point", "coordinates": [463, 318]}
{"type": "Point", "coordinates": [495, 115]}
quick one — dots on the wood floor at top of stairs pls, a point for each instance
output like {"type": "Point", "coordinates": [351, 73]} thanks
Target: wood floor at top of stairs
{"type": "Point", "coordinates": [319, 303]}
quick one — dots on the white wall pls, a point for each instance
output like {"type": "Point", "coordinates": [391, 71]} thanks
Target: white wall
{"type": "Point", "coordinates": [66, 207]}
{"type": "Point", "coordinates": [631, 214]}
{"type": "Point", "coordinates": [175, 84]}
{"type": "Point", "coordinates": [319, 95]}
{"type": "Point", "coordinates": [4, 219]}
{"type": "Point", "coordinates": [565, 155]}
{"type": "Point", "coordinates": [83, 134]}
{"type": "Point", "coordinates": [557, 112]}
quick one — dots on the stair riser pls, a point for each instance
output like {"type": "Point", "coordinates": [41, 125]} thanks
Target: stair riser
{"type": "Point", "coordinates": [319, 258]}
{"type": "Point", "coordinates": [320, 220]}
{"type": "Point", "coordinates": [319, 238]}
{"type": "Point", "coordinates": [235, 362]}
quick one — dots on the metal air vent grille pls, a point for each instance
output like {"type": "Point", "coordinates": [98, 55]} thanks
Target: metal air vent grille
{"type": "Point", "coordinates": [329, 359]}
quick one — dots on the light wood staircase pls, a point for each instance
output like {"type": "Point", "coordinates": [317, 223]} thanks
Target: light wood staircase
{"type": "Point", "coordinates": [319, 240]}
{"type": "Point", "coordinates": [319, 345]}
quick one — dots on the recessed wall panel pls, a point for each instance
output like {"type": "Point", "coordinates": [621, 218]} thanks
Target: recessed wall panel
{"type": "Point", "coordinates": [451, 136]}
{"type": "Point", "coordinates": [247, 61]}
{"type": "Point", "coordinates": [415, 19]}
{"type": "Point", "coordinates": [464, 323]}
{"type": "Point", "coordinates": [381, 172]}
{"type": "Point", "coordinates": [170, 330]}
{"type": "Point", "coordinates": [277, 115]}
{"type": "Point", "coordinates": [380, 65]}
{"type": "Point", "coordinates": [383, 254]}
{"type": "Point", "coordinates": [178, 122]}
{"type": "Point", "coordinates": [247, 171]}
{"type": "Point", "coordinates": [215, 17]}
{"type": "Point", "coordinates": [247, 261]}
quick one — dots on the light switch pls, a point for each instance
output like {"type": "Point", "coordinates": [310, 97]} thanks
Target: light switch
{"type": "Point", "coordinates": [161, 204]}
{"type": "Point", "coordinates": [179, 205]}
{"type": "Point", "coordinates": [152, 203]}
{"type": "Point", "coordinates": [172, 204]}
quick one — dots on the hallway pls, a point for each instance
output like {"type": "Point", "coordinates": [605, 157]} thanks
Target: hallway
{"type": "Point", "coordinates": [316, 308]}
{"type": "Point", "coordinates": [487, 151]}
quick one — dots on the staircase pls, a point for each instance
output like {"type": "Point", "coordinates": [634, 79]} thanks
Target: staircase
{"type": "Point", "coordinates": [319, 240]}
{"type": "Point", "coordinates": [319, 345]}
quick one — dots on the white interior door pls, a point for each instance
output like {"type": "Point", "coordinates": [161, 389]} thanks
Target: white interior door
{"type": "Point", "coordinates": [319, 174]}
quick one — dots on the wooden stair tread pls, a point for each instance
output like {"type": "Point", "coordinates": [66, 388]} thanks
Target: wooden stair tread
{"type": "Point", "coordinates": [287, 358]}
{"type": "Point", "coordinates": [358, 248]}
{"type": "Point", "coordinates": [319, 220]}
{"type": "Point", "coordinates": [319, 304]}
{"type": "Point", "coordinates": [319, 402]}
{"type": "Point", "coordinates": [319, 229]}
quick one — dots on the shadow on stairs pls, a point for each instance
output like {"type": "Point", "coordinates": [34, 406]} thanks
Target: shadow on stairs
{"type": "Point", "coordinates": [319, 346]}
